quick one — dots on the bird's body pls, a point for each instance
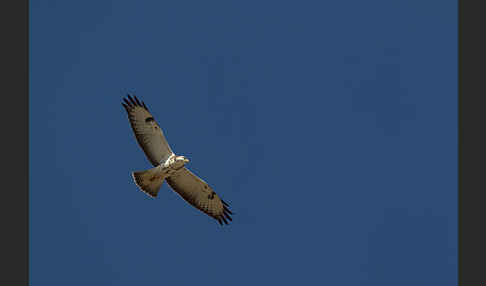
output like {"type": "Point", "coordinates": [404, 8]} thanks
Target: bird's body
{"type": "Point", "coordinates": [168, 166]}
{"type": "Point", "coordinates": [150, 181]}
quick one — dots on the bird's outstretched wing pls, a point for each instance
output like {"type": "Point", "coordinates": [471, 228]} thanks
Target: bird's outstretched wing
{"type": "Point", "coordinates": [148, 133]}
{"type": "Point", "coordinates": [199, 194]}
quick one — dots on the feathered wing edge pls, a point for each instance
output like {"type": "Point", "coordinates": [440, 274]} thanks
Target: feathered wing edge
{"type": "Point", "coordinates": [132, 102]}
{"type": "Point", "coordinates": [153, 156]}
{"type": "Point", "coordinates": [221, 218]}
{"type": "Point", "coordinates": [226, 213]}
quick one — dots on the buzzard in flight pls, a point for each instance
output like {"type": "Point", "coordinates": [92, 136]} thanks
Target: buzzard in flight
{"type": "Point", "coordinates": [168, 166]}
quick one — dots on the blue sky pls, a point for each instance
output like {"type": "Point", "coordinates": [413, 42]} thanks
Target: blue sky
{"type": "Point", "coordinates": [330, 128]}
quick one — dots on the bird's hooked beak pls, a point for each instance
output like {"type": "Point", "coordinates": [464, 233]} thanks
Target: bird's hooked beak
{"type": "Point", "coordinates": [186, 160]}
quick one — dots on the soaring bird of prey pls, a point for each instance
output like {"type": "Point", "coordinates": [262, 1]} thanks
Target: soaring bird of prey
{"type": "Point", "coordinates": [168, 166]}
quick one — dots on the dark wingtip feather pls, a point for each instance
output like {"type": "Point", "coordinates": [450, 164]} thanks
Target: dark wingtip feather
{"type": "Point", "coordinates": [138, 102]}
{"type": "Point", "coordinates": [227, 210]}
{"type": "Point", "coordinates": [144, 106]}
{"type": "Point", "coordinates": [127, 102]}
{"type": "Point", "coordinates": [225, 221]}
{"type": "Point", "coordinates": [219, 220]}
{"type": "Point", "coordinates": [125, 106]}
{"type": "Point", "coordinates": [225, 203]}
{"type": "Point", "coordinates": [132, 100]}
{"type": "Point", "coordinates": [228, 216]}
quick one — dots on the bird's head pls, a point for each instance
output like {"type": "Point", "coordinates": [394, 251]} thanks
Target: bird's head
{"type": "Point", "coordinates": [179, 162]}
{"type": "Point", "coordinates": [182, 159]}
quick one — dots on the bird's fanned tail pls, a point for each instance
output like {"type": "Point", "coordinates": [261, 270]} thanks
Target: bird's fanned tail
{"type": "Point", "coordinates": [149, 181]}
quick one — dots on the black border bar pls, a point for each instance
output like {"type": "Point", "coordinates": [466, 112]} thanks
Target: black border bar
{"type": "Point", "coordinates": [472, 144]}
{"type": "Point", "coordinates": [14, 118]}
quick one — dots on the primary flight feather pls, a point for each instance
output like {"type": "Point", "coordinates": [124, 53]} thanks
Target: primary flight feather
{"type": "Point", "coordinates": [168, 166]}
